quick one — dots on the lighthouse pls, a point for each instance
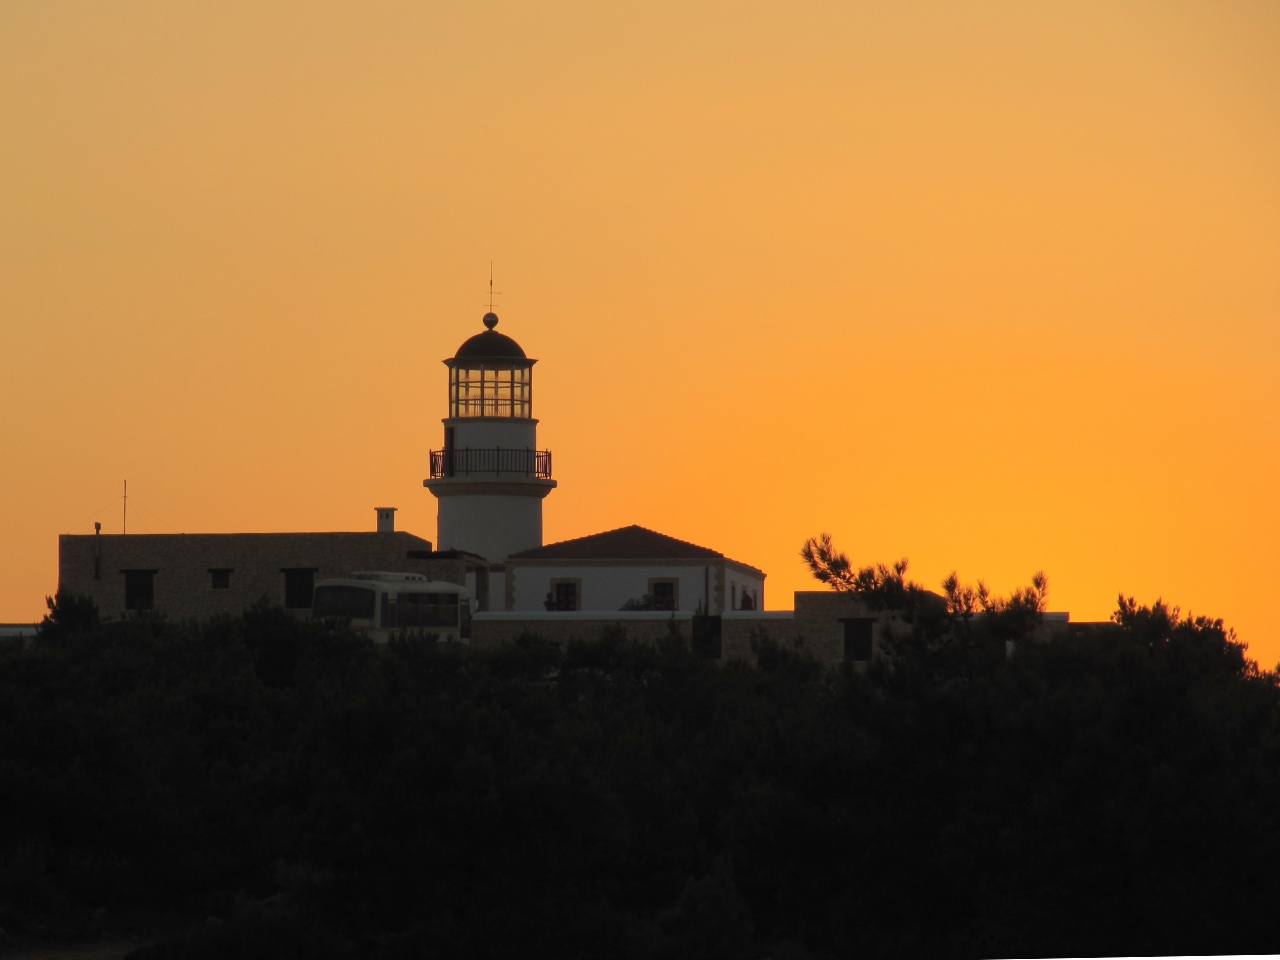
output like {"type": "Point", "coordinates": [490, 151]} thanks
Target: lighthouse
{"type": "Point", "coordinates": [490, 477]}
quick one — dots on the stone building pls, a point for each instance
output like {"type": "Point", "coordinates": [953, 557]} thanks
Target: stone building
{"type": "Point", "coordinates": [202, 574]}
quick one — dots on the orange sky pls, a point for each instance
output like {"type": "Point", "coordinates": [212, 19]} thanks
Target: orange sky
{"type": "Point", "coordinates": [992, 285]}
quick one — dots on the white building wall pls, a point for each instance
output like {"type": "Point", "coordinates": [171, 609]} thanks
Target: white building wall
{"type": "Point", "coordinates": [492, 525]}
{"type": "Point", "coordinates": [739, 582]}
{"type": "Point", "coordinates": [607, 588]}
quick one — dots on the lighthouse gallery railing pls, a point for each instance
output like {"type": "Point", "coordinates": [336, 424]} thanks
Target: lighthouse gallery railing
{"type": "Point", "coordinates": [465, 460]}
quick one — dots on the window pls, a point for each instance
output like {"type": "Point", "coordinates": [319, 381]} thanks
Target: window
{"type": "Point", "coordinates": [299, 585]}
{"type": "Point", "coordinates": [665, 594]}
{"type": "Point", "coordinates": [139, 589]}
{"type": "Point", "coordinates": [221, 579]}
{"type": "Point", "coordinates": [748, 600]}
{"type": "Point", "coordinates": [351, 603]}
{"type": "Point", "coordinates": [426, 609]}
{"type": "Point", "coordinates": [565, 595]}
{"type": "Point", "coordinates": [490, 389]}
{"type": "Point", "coordinates": [423, 610]}
{"type": "Point", "coordinates": [857, 638]}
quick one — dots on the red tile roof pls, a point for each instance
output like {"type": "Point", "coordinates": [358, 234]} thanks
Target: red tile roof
{"type": "Point", "coordinates": [625, 543]}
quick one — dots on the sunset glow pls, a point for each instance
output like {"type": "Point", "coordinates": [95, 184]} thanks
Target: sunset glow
{"type": "Point", "coordinates": [993, 286]}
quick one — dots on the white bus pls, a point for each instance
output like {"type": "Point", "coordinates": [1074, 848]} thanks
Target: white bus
{"type": "Point", "coordinates": [382, 604]}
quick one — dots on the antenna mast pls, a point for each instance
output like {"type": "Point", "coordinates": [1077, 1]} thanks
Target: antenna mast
{"type": "Point", "coordinates": [492, 292]}
{"type": "Point", "coordinates": [124, 521]}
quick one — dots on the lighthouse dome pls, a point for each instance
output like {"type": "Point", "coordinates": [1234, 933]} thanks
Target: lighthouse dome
{"type": "Point", "coordinates": [490, 345]}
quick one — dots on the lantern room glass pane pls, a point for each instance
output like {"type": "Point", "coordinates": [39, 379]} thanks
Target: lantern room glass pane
{"type": "Point", "coordinates": [490, 390]}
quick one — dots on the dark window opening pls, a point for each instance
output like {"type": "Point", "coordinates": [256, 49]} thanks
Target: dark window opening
{"type": "Point", "coordinates": [221, 579]}
{"type": "Point", "coordinates": [857, 638]}
{"type": "Point", "coordinates": [139, 589]}
{"type": "Point", "coordinates": [748, 600]}
{"type": "Point", "coordinates": [565, 596]}
{"type": "Point", "coordinates": [664, 594]}
{"type": "Point", "coordinates": [299, 587]}
{"type": "Point", "coordinates": [351, 603]}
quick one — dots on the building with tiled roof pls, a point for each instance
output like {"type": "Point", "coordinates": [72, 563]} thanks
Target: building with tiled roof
{"type": "Point", "coordinates": [630, 566]}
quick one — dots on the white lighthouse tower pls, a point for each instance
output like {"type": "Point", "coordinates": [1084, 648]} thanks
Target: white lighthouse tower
{"type": "Point", "coordinates": [490, 478]}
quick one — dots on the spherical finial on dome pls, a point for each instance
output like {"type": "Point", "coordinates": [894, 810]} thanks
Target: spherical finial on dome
{"type": "Point", "coordinates": [490, 320]}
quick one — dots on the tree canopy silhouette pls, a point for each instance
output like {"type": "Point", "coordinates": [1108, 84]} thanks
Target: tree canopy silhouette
{"type": "Point", "coordinates": [1112, 792]}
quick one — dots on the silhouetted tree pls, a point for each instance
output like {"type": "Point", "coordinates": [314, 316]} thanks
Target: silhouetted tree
{"type": "Point", "coordinates": [318, 796]}
{"type": "Point", "coordinates": [69, 614]}
{"type": "Point", "coordinates": [946, 637]}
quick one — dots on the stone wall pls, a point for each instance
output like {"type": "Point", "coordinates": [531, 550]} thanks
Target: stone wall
{"type": "Point", "coordinates": [183, 584]}
{"type": "Point", "coordinates": [491, 630]}
{"type": "Point", "coordinates": [815, 627]}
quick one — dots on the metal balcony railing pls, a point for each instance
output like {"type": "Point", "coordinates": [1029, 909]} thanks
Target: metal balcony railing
{"type": "Point", "coordinates": [495, 460]}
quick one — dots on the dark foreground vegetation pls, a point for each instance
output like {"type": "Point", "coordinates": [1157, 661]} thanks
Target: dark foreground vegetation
{"type": "Point", "coordinates": [295, 792]}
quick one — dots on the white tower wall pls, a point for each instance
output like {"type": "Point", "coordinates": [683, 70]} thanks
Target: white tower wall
{"type": "Point", "coordinates": [492, 525]}
{"type": "Point", "coordinates": [489, 432]}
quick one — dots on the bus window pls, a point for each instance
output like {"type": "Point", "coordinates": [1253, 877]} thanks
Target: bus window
{"type": "Point", "coordinates": [353, 603]}
{"type": "Point", "coordinates": [427, 609]}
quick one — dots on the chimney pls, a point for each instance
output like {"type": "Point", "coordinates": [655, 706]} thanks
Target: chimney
{"type": "Point", "coordinates": [386, 519]}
